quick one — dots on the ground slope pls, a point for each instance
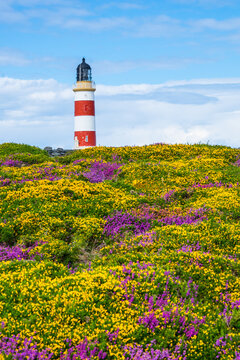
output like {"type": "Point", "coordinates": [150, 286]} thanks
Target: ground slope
{"type": "Point", "coordinates": [120, 253]}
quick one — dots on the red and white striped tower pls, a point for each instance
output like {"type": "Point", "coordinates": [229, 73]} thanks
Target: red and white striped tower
{"type": "Point", "coordinates": [84, 113]}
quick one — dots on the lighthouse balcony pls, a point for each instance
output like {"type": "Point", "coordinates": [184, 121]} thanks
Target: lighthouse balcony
{"type": "Point", "coordinates": [85, 86]}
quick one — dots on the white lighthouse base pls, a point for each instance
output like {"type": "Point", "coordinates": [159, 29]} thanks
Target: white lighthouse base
{"type": "Point", "coordinates": [77, 147]}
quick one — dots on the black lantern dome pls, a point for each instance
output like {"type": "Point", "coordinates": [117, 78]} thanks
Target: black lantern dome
{"type": "Point", "coordinates": [84, 72]}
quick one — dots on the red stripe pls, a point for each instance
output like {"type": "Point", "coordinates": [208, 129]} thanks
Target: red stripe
{"type": "Point", "coordinates": [85, 138]}
{"type": "Point", "coordinates": [84, 107]}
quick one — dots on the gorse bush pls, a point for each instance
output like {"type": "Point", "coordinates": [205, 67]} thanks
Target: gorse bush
{"type": "Point", "coordinates": [120, 253]}
{"type": "Point", "coordinates": [12, 154]}
{"type": "Point", "coordinates": [12, 148]}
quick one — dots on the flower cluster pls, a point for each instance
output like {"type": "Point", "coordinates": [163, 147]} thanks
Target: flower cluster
{"type": "Point", "coordinates": [123, 222]}
{"type": "Point", "coordinates": [12, 162]}
{"type": "Point", "coordinates": [193, 217]}
{"type": "Point", "coordinates": [84, 350]}
{"type": "Point", "coordinates": [17, 252]}
{"type": "Point", "coordinates": [100, 171]}
{"type": "Point", "coordinates": [15, 348]}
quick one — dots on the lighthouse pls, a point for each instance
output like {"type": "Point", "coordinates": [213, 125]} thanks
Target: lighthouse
{"type": "Point", "coordinates": [84, 108]}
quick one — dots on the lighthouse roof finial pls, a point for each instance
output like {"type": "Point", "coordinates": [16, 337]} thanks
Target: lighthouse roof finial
{"type": "Point", "coordinates": [84, 65]}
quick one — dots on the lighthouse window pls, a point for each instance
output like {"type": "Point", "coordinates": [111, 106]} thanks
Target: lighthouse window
{"type": "Point", "coordinates": [84, 74]}
{"type": "Point", "coordinates": [86, 138]}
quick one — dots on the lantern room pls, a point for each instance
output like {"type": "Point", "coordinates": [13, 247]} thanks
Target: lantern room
{"type": "Point", "coordinates": [84, 72]}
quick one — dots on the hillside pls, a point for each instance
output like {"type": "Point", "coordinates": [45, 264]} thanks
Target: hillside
{"type": "Point", "coordinates": [120, 253]}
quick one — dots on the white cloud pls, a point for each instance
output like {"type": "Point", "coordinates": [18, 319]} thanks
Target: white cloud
{"type": "Point", "coordinates": [54, 13]}
{"type": "Point", "coordinates": [9, 15]}
{"type": "Point", "coordinates": [35, 111]}
{"type": "Point", "coordinates": [11, 57]}
{"type": "Point", "coordinates": [99, 24]}
{"type": "Point", "coordinates": [59, 16]}
{"type": "Point", "coordinates": [14, 58]}
{"type": "Point", "coordinates": [37, 2]}
{"type": "Point", "coordinates": [123, 5]}
{"type": "Point", "coordinates": [40, 112]}
{"type": "Point", "coordinates": [199, 86]}
{"type": "Point", "coordinates": [62, 14]}
{"type": "Point", "coordinates": [183, 118]}
{"type": "Point", "coordinates": [111, 67]}
{"type": "Point", "coordinates": [219, 25]}
{"type": "Point", "coordinates": [206, 3]}
{"type": "Point", "coordinates": [88, 17]}
{"type": "Point", "coordinates": [158, 26]}
{"type": "Point", "coordinates": [71, 15]}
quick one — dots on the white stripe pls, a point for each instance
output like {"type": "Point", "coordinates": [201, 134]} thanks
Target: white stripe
{"type": "Point", "coordinates": [84, 123]}
{"type": "Point", "coordinates": [84, 95]}
{"type": "Point", "coordinates": [83, 147]}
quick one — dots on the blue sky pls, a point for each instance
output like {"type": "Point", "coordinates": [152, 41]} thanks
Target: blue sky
{"type": "Point", "coordinates": [166, 71]}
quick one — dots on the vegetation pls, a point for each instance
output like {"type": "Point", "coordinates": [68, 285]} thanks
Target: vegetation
{"type": "Point", "coordinates": [120, 253]}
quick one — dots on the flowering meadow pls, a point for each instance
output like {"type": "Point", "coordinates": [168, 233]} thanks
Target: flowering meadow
{"type": "Point", "coordinates": [120, 253]}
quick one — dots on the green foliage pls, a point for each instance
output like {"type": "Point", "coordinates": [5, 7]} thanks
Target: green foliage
{"type": "Point", "coordinates": [152, 153]}
{"type": "Point", "coordinates": [231, 174]}
{"type": "Point", "coordinates": [13, 148]}
{"type": "Point", "coordinates": [27, 154]}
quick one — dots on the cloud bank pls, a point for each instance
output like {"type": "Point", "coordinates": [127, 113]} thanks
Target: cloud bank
{"type": "Point", "coordinates": [40, 112]}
